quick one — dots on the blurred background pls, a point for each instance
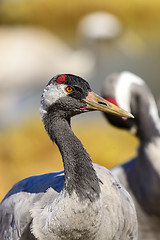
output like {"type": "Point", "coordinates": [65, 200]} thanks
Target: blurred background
{"type": "Point", "coordinates": [39, 39]}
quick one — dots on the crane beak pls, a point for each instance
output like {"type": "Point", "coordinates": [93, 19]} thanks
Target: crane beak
{"type": "Point", "coordinates": [95, 102]}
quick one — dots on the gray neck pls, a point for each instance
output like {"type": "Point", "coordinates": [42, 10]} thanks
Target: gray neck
{"type": "Point", "coordinates": [80, 176]}
{"type": "Point", "coordinates": [143, 173]}
{"type": "Point", "coordinates": [147, 125]}
{"type": "Point", "coordinates": [144, 180]}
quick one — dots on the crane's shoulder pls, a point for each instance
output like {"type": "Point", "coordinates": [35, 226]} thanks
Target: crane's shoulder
{"type": "Point", "coordinates": [15, 216]}
{"type": "Point", "coordinates": [117, 202]}
{"type": "Point", "coordinates": [108, 180]}
{"type": "Point", "coordinates": [38, 184]}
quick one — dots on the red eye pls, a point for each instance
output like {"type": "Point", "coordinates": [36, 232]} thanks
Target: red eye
{"type": "Point", "coordinates": [69, 89]}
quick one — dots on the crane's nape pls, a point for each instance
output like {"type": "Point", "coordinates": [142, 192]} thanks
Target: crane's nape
{"type": "Point", "coordinates": [82, 202]}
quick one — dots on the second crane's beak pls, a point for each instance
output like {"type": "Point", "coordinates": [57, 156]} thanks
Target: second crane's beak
{"type": "Point", "coordinates": [95, 102]}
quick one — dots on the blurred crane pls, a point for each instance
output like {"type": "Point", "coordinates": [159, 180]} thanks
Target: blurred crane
{"type": "Point", "coordinates": [140, 176]}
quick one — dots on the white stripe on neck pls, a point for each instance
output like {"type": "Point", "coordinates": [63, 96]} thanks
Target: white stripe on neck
{"type": "Point", "coordinates": [123, 95]}
{"type": "Point", "coordinates": [123, 89]}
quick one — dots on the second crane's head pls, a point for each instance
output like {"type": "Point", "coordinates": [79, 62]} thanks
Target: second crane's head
{"type": "Point", "coordinates": [129, 92]}
{"type": "Point", "coordinates": [67, 95]}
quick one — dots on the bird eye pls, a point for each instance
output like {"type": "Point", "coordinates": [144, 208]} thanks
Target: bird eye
{"type": "Point", "coordinates": [69, 89]}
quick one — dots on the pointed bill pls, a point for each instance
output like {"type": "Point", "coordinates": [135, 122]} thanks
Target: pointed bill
{"type": "Point", "coordinates": [95, 102]}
